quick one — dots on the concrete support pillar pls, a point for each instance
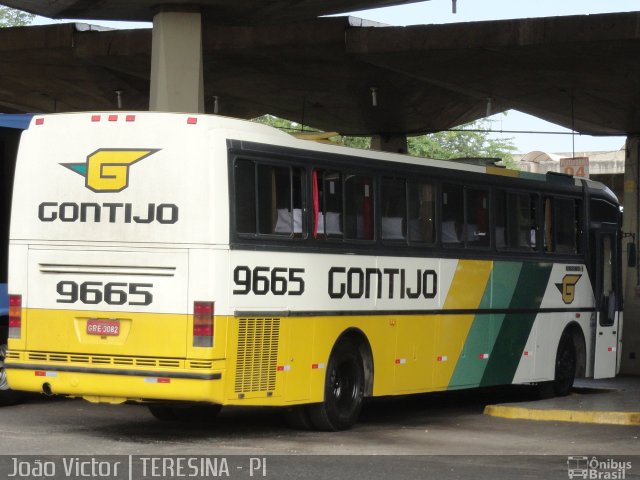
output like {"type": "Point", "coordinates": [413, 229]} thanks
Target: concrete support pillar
{"type": "Point", "coordinates": [389, 143]}
{"type": "Point", "coordinates": [176, 63]}
{"type": "Point", "coordinates": [630, 357]}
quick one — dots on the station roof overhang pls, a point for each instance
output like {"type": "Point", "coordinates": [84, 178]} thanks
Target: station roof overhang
{"type": "Point", "coordinates": [576, 71]}
{"type": "Point", "coordinates": [222, 12]}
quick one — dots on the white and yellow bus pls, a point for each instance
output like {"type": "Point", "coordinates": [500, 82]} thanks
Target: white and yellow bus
{"type": "Point", "coordinates": [176, 259]}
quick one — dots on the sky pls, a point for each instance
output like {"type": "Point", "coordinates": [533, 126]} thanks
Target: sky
{"type": "Point", "coordinates": [440, 11]}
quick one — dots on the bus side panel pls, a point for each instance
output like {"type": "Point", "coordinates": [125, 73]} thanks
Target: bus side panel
{"type": "Point", "coordinates": [569, 287]}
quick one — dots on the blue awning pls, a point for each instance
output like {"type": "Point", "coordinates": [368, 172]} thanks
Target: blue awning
{"type": "Point", "coordinates": [20, 121]}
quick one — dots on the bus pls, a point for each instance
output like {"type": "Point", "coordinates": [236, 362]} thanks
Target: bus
{"type": "Point", "coordinates": [11, 127]}
{"type": "Point", "coordinates": [189, 262]}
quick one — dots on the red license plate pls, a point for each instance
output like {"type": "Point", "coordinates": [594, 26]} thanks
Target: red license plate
{"type": "Point", "coordinates": [104, 328]}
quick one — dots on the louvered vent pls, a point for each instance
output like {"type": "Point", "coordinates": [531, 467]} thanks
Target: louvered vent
{"type": "Point", "coordinates": [105, 360]}
{"type": "Point", "coordinates": [257, 358]}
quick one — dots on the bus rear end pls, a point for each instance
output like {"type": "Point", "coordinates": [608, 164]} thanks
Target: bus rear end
{"type": "Point", "coordinates": [112, 219]}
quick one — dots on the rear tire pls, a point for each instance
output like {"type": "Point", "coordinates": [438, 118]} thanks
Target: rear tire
{"type": "Point", "coordinates": [343, 389]}
{"type": "Point", "coordinates": [7, 396]}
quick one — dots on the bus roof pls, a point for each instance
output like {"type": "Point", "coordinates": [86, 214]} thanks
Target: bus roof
{"type": "Point", "coordinates": [253, 131]}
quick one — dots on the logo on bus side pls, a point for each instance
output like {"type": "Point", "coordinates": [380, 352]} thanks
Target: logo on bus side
{"type": "Point", "coordinates": [568, 287]}
{"type": "Point", "coordinates": [107, 169]}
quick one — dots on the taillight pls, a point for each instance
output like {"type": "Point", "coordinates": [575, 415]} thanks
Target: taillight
{"type": "Point", "coordinates": [203, 324]}
{"type": "Point", "coordinates": [15, 316]}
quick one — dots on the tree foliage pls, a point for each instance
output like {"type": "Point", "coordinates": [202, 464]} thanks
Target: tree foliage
{"type": "Point", "coordinates": [474, 142]}
{"type": "Point", "coordinates": [469, 141]}
{"type": "Point", "coordinates": [10, 17]}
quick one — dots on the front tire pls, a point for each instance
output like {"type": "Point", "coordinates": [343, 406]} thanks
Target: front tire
{"type": "Point", "coordinates": [343, 389]}
{"type": "Point", "coordinates": [565, 371]}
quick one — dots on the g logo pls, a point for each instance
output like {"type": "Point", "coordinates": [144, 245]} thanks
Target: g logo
{"type": "Point", "coordinates": [107, 169]}
{"type": "Point", "coordinates": [568, 287]}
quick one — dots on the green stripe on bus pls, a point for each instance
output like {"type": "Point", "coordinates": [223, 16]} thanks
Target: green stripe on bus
{"type": "Point", "coordinates": [516, 327]}
{"type": "Point", "coordinates": [485, 328]}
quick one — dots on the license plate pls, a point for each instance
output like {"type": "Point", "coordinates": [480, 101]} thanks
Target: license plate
{"type": "Point", "coordinates": [104, 328]}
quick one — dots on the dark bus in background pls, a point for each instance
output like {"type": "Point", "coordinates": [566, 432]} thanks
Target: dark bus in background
{"type": "Point", "coordinates": [11, 127]}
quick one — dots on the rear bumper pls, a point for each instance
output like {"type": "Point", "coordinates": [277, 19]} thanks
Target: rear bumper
{"type": "Point", "coordinates": [117, 384]}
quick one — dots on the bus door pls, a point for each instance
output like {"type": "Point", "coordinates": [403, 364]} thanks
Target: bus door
{"type": "Point", "coordinates": [607, 304]}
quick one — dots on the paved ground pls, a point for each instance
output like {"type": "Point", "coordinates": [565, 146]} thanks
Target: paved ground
{"type": "Point", "coordinates": [448, 427]}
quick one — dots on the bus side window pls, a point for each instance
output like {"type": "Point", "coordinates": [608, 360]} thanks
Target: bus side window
{"type": "Point", "coordinates": [477, 225]}
{"type": "Point", "coordinates": [422, 212]}
{"type": "Point", "coordinates": [268, 199]}
{"type": "Point", "coordinates": [245, 196]}
{"type": "Point", "coordinates": [500, 209]}
{"type": "Point", "coordinates": [567, 228]}
{"type": "Point", "coordinates": [561, 225]}
{"type": "Point", "coordinates": [358, 207]}
{"type": "Point", "coordinates": [327, 204]}
{"type": "Point", "coordinates": [548, 225]}
{"type": "Point", "coordinates": [279, 200]}
{"type": "Point", "coordinates": [393, 206]}
{"type": "Point", "coordinates": [529, 226]}
{"type": "Point", "coordinates": [452, 214]}
{"type": "Point", "coordinates": [516, 224]}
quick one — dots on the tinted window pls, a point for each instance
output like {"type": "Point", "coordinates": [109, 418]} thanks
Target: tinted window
{"type": "Point", "coordinates": [422, 212]}
{"type": "Point", "coordinates": [327, 204]}
{"type": "Point", "coordinates": [516, 225]}
{"type": "Point", "coordinates": [358, 192]}
{"type": "Point", "coordinates": [452, 214]}
{"type": "Point", "coordinates": [477, 225]}
{"type": "Point", "coordinates": [393, 208]}
{"type": "Point", "coordinates": [268, 199]}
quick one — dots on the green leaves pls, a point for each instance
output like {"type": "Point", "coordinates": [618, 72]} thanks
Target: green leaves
{"type": "Point", "coordinates": [472, 140]}
{"type": "Point", "coordinates": [10, 17]}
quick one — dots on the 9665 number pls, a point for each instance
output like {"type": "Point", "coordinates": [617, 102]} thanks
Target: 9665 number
{"type": "Point", "coordinates": [112, 293]}
{"type": "Point", "coordinates": [264, 280]}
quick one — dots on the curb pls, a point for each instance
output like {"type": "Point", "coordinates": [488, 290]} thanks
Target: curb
{"type": "Point", "coordinates": [554, 415]}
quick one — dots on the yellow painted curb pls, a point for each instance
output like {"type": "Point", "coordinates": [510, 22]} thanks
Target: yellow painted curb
{"type": "Point", "coordinates": [587, 416]}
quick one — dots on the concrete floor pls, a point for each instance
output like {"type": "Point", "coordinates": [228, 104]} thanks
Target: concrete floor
{"type": "Point", "coordinates": [446, 435]}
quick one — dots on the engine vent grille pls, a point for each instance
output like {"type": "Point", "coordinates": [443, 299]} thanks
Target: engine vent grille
{"type": "Point", "coordinates": [257, 358]}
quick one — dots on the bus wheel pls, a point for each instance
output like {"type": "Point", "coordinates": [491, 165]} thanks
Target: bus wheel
{"type": "Point", "coordinates": [343, 390]}
{"type": "Point", "coordinates": [565, 372]}
{"type": "Point", "coordinates": [7, 396]}
{"type": "Point", "coordinates": [192, 413]}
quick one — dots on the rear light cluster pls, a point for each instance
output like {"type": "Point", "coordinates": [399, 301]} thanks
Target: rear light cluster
{"type": "Point", "coordinates": [15, 316]}
{"type": "Point", "coordinates": [203, 324]}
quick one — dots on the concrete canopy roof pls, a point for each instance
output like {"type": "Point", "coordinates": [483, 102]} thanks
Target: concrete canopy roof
{"type": "Point", "coordinates": [580, 71]}
{"type": "Point", "coordinates": [223, 11]}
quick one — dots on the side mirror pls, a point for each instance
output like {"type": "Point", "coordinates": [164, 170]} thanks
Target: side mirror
{"type": "Point", "coordinates": [631, 255]}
